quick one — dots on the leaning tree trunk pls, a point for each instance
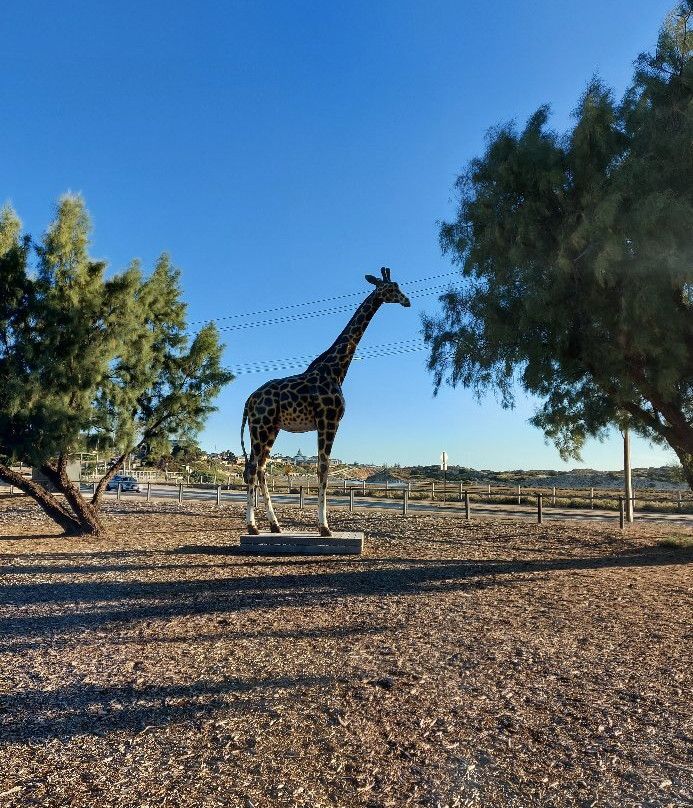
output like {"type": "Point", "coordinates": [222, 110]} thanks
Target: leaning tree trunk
{"type": "Point", "coordinates": [76, 516]}
{"type": "Point", "coordinates": [49, 504]}
{"type": "Point", "coordinates": [100, 487]}
{"type": "Point", "coordinates": [85, 512]}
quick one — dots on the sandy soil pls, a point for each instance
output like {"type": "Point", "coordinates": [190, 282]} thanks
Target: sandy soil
{"type": "Point", "coordinates": [481, 663]}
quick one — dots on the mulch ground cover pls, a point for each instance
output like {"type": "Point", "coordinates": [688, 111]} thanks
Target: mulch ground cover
{"type": "Point", "coordinates": [454, 663]}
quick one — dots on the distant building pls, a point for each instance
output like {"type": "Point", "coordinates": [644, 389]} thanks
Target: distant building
{"type": "Point", "coordinates": [333, 461]}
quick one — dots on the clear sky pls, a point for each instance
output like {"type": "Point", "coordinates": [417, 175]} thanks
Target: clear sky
{"type": "Point", "coordinates": [279, 151]}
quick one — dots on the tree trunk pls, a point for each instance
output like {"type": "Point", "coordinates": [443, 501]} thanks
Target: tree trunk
{"type": "Point", "coordinates": [85, 512]}
{"type": "Point", "coordinates": [89, 518]}
{"type": "Point", "coordinates": [51, 505]}
{"type": "Point", "coordinates": [686, 459]}
{"type": "Point", "coordinates": [76, 516]}
{"type": "Point", "coordinates": [103, 482]}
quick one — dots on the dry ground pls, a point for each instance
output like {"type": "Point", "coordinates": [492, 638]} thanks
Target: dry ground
{"type": "Point", "coordinates": [481, 663]}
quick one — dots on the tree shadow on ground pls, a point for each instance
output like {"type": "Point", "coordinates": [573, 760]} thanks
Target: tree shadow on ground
{"type": "Point", "coordinates": [33, 716]}
{"type": "Point", "coordinates": [36, 537]}
{"type": "Point", "coordinates": [81, 605]}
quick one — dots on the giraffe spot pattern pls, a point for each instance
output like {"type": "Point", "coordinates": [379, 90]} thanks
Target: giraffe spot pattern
{"type": "Point", "coordinates": [311, 400]}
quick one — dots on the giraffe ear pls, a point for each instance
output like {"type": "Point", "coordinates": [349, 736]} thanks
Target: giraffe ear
{"type": "Point", "coordinates": [372, 279]}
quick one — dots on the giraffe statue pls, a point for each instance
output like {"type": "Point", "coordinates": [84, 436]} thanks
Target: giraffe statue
{"type": "Point", "coordinates": [309, 401]}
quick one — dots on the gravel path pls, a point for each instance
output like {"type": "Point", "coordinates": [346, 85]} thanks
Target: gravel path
{"type": "Point", "coordinates": [481, 663]}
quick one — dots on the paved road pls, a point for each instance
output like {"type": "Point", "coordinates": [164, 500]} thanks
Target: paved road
{"type": "Point", "coordinates": [478, 509]}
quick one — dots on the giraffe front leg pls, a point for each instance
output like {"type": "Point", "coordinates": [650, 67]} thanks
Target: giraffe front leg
{"type": "Point", "coordinates": [325, 440]}
{"type": "Point", "coordinates": [324, 528]}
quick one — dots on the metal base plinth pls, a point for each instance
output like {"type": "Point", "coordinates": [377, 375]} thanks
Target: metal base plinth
{"type": "Point", "coordinates": [303, 543]}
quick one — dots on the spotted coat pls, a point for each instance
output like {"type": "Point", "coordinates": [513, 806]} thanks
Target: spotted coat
{"type": "Point", "coordinates": [309, 401]}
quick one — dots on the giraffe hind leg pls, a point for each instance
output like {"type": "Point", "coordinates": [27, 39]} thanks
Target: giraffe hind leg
{"type": "Point", "coordinates": [271, 517]}
{"type": "Point", "coordinates": [265, 441]}
{"type": "Point", "coordinates": [250, 478]}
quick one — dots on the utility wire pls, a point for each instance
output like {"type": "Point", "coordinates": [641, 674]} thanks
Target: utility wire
{"type": "Point", "coordinates": [368, 352]}
{"type": "Point", "coordinates": [315, 302]}
{"type": "Point", "coordinates": [307, 315]}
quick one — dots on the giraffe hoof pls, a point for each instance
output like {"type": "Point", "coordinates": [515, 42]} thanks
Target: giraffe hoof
{"type": "Point", "coordinates": [253, 531]}
{"type": "Point", "coordinates": [275, 528]}
{"type": "Point", "coordinates": [325, 531]}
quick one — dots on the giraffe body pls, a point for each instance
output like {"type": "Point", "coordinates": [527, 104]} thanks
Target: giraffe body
{"type": "Point", "coordinates": [307, 402]}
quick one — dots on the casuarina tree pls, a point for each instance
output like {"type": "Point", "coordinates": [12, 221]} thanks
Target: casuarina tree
{"type": "Point", "coordinates": [87, 357]}
{"type": "Point", "coordinates": [576, 260]}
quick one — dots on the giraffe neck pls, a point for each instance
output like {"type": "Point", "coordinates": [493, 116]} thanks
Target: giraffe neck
{"type": "Point", "coordinates": [337, 358]}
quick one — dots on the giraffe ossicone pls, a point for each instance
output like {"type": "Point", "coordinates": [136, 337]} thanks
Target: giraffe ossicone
{"type": "Point", "coordinates": [311, 401]}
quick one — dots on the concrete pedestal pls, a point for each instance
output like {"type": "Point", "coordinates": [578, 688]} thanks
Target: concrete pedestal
{"type": "Point", "coordinates": [303, 543]}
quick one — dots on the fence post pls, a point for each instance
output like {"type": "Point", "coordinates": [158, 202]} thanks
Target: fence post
{"type": "Point", "coordinates": [118, 491]}
{"type": "Point", "coordinates": [433, 491]}
{"type": "Point", "coordinates": [592, 498]}
{"type": "Point", "coordinates": [405, 502]}
{"type": "Point", "coordinates": [539, 513]}
{"type": "Point", "coordinates": [554, 496]}
{"type": "Point", "coordinates": [149, 491]}
{"type": "Point", "coordinates": [363, 482]}
{"type": "Point", "coordinates": [679, 500]}
{"type": "Point", "coordinates": [620, 512]}
{"type": "Point", "coordinates": [466, 504]}
{"type": "Point", "coordinates": [218, 495]}
{"type": "Point", "coordinates": [300, 497]}
{"type": "Point", "coordinates": [180, 493]}
{"type": "Point", "coordinates": [344, 487]}
{"type": "Point", "coordinates": [351, 499]}
{"type": "Point", "coordinates": [519, 495]}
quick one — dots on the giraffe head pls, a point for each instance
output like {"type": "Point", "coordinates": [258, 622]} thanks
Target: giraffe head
{"type": "Point", "coordinates": [387, 290]}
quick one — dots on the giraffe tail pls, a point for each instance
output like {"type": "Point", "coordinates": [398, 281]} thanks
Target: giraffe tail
{"type": "Point", "coordinates": [245, 418]}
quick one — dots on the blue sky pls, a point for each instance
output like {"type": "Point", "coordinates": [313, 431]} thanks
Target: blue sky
{"type": "Point", "coordinates": [279, 151]}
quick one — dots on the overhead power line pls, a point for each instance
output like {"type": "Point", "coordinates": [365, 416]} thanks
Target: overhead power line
{"type": "Point", "coordinates": [291, 363]}
{"type": "Point", "coordinates": [261, 312]}
{"type": "Point", "coordinates": [307, 315]}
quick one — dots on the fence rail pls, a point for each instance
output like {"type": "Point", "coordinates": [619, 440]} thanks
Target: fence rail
{"type": "Point", "coordinates": [650, 500]}
{"type": "Point", "coordinates": [457, 496]}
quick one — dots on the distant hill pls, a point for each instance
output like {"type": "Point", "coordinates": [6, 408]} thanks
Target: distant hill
{"type": "Point", "coordinates": [663, 477]}
{"type": "Point", "coordinates": [384, 476]}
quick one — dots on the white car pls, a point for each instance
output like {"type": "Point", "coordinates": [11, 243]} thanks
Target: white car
{"type": "Point", "coordinates": [126, 483]}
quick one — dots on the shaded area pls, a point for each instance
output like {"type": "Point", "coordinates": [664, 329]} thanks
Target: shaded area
{"type": "Point", "coordinates": [36, 715]}
{"type": "Point", "coordinates": [96, 603]}
{"type": "Point", "coordinates": [450, 661]}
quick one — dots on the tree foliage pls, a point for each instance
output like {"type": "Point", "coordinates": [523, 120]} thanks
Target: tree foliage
{"type": "Point", "coordinates": [86, 358]}
{"type": "Point", "coordinates": [577, 261]}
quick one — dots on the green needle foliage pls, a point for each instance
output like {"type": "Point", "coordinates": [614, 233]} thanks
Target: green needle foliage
{"type": "Point", "coordinates": [90, 360]}
{"type": "Point", "coordinates": [576, 254]}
